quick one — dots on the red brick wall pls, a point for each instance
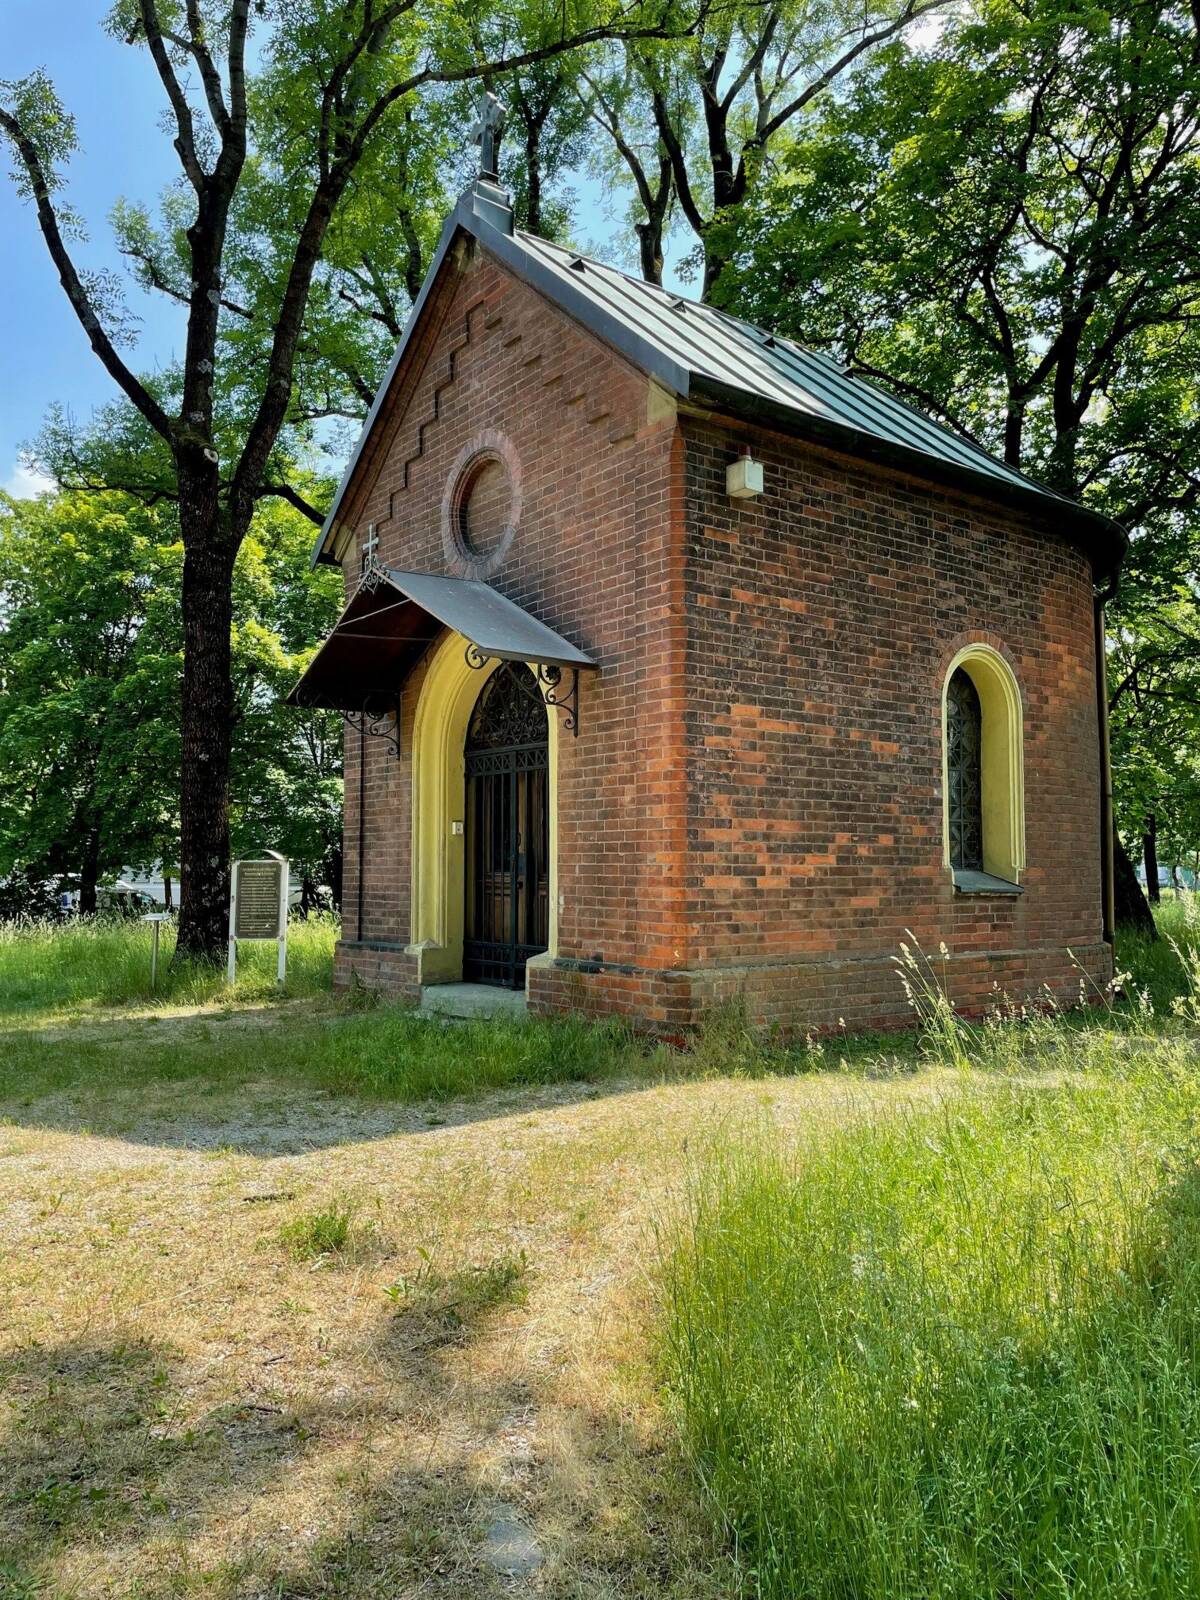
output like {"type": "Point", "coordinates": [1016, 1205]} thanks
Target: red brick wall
{"type": "Point", "coordinates": [592, 556]}
{"type": "Point", "coordinates": [753, 806]}
{"type": "Point", "coordinates": [822, 617]}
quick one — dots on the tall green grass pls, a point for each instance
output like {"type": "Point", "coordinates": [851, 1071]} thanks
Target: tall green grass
{"type": "Point", "coordinates": [1163, 969]}
{"type": "Point", "coordinates": [955, 1354]}
{"type": "Point", "coordinates": [396, 1054]}
{"type": "Point", "coordinates": [105, 961]}
{"type": "Point", "coordinates": [386, 1053]}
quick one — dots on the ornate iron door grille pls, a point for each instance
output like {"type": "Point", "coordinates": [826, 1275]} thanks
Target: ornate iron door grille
{"type": "Point", "coordinates": [507, 888]}
{"type": "Point", "coordinates": [964, 753]}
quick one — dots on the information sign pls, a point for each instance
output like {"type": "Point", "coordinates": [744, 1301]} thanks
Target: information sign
{"type": "Point", "coordinates": [258, 906]}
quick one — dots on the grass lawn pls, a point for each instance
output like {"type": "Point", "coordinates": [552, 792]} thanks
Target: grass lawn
{"type": "Point", "coordinates": [297, 1299]}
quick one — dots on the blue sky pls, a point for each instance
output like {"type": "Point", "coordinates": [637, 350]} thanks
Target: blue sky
{"type": "Point", "coordinates": [111, 89]}
{"type": "Point", "coordinates": [114, 94]}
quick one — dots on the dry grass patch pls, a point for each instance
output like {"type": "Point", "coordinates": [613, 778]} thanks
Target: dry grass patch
{"type": "Point", "coordinates": [260, 1341]}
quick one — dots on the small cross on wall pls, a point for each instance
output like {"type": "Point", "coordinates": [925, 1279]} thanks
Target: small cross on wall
{"type": "Point", "coordinates": [370, 547]}
{"type": "Point", "coordinates": [486, 134]}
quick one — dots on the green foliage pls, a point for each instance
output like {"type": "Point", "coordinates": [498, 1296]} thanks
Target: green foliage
{"type": "Point", "coordinates": [91, 648]}
{"type": "Point", "coordinates": [52, 968]}
{"type": "Point", "coordinates": [89, 684]}
{"type": "Point", "coordinates": [693, 124]}
{"type": "Point", "coordinates": [997, 221]}
{"type": "Point", "coordinates": [952, 1354]}
{"type": "Point", "coordinates": [1154, 678]}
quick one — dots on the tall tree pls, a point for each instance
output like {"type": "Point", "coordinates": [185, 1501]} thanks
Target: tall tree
{"type": "Point", "coordinates": [694, 124]}
{"type": "Point", "coordinates": [1001, 227]}
{"type": "Point", "coordinates": [91, 658]}
{"type": "Point", "coordinates": [632, 156]}
{"type": "Point", "coordinates": [271, 143]}
{"type": "Point", "coordinates": [89, 683]}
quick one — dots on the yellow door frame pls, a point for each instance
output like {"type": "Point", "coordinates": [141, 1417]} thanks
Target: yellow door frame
{"type": "Point", "coordinates": [448, 696]}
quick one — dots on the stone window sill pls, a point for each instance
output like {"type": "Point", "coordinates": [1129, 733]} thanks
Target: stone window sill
{"type": "Point", "coordinates": [966, 882]}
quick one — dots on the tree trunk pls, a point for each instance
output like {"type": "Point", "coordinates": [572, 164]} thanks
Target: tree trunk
{"type": "Point", "coordinates": [1133, 914]}
{"type": "Point", "coordinates": [207, 721]}
{"type": "Point", "coordinates": [166, 891]}
{"type": "Point", "coordinates": [715, 262]}
{"type": "Point", "coordinates": [1014, 428]}
{"type": "Point", "coordinates": [334, 873]}
{"type": "Point", "coordinates": [1150, 857]}
{"type": "Point", "coordinates": [89, 876]}
{"type": "Point", "coordinates": [533, 176]}
{"type": "Point", "coordinates": [650, 249]}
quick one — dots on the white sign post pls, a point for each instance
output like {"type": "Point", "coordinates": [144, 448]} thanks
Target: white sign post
{"type": "Point", "coordinates": [258, 907]}
{"type": "Point", "coordinates": [156, 920]}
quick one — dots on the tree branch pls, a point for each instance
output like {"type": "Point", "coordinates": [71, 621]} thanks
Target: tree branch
{"type": "Point", "coordinates": [209, 75]}
{"type": "Point", "coordinates": [81, 304]}
{"type": "Point", "coordinates": [284, 491]}
{"type": "Point", "coordinates": [835, 69]}
{"type": "Point", "coordinates": [185, 134]}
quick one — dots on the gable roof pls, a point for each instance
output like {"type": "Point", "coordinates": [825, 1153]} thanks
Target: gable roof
{"type": "Point", "coordinates": [704, 355]}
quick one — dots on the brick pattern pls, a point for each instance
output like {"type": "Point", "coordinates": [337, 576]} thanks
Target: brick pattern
{"type": "Point", "coordinates": [380, 968]}
{"type": "Point", "coordinates": [822, 618]}
{"type": "Point", "coordinates": [753, 806]}
{"type": "Point", "coordinates": [822, 996]}
{"type": "Point", "coordinates": [592, 555]}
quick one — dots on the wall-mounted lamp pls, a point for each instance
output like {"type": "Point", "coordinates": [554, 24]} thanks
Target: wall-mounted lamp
{"type": "Point", "coordinates": [744, 477]}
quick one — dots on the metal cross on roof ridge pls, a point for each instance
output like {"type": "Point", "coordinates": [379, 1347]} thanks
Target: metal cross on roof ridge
{"type": "Point", "coordinates": [489, 125]}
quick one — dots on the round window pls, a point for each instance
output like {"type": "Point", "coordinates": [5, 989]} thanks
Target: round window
{"type": "Point", "coordinates": [482, 506]}
{"type": "Point", "coordinates": [484, 509]}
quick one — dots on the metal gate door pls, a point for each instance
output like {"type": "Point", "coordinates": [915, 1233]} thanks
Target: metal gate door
{"type": "Point", "coordinates": [507, 879]}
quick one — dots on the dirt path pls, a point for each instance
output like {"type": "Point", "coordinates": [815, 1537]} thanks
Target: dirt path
{"type": "Point", "coordinates": [458, 1404]}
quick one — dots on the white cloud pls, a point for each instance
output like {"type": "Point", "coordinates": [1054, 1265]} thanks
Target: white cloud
{"type": "Point", "coordinates": [24, 482]}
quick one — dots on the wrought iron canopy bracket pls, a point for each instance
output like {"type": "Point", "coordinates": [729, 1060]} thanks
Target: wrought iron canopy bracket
{"type": "Point", "coordinates": [376, 725]}
{"type": "Point", "coordinates": [549, 679]}
{"type": "Point", "coordinates": [564, 700]}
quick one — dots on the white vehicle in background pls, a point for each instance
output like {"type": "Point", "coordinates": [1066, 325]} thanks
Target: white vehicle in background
{"type": "Point", "coordinates": [153, 885]}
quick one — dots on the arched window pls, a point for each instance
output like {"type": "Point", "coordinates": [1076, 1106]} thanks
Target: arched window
{"type": "Point", "coordinates": [964, 749]}
{"type": "Point", "coordinates": [984, 820]}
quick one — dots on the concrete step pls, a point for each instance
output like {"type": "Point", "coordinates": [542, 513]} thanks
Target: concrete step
{"type": "Point", "coordinates": [471, 1000]}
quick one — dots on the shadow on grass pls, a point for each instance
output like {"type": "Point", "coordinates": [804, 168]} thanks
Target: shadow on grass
{"type": "Point", "coordinates": [309, 1081]}
{"type": "Point", "coordinates": [116, 1474]}
{"type": "Point", "coordinates": [323, 1082]}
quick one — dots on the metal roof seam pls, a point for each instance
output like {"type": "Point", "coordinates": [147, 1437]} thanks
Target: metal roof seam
{"type": "Point", "coordinates": [685, 343]}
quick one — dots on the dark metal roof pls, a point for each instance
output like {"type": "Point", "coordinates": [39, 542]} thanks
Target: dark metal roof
{"type": "Point", "coordinates": [706, 356]}
{"type": "Point", "coordinates": [746, 360]}
{"type": "Point", "coordinates": [392, 618]}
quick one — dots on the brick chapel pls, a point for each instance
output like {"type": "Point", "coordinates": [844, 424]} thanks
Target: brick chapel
{"type": "Point", "coordinates": [681, 665]}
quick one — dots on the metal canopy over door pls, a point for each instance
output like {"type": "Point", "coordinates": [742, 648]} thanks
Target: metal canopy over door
{"type": "Point", "coordinates": [507, 877]}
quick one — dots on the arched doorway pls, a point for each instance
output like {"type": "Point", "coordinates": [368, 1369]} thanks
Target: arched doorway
{"type": "Point", "coordinates": [506, 914]}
